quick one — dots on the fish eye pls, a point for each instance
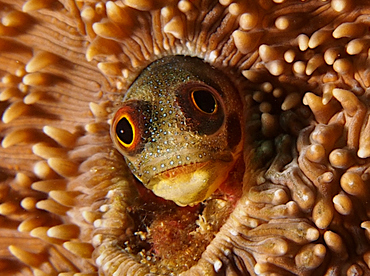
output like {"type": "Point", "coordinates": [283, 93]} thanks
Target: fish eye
{"type": "Point", "coordinates": [204, 101]}
{"type": "Point", "coordinates": [125, 131]}
{"type": "Point", "coordinates": [128, 127]}
{"type": "Point", "coordinates": [202, 106]}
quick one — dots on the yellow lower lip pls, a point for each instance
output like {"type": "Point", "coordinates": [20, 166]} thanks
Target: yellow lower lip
{"type": "Point", "coordinates": [190, 184]}
{"type": "Point", "coordinates": [182, 170]}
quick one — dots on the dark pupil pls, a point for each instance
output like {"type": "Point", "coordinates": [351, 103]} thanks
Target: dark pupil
{"type": "Point", "coordinates": [204, 101]}
{"type": "Point", "coordinates": [124, 131]}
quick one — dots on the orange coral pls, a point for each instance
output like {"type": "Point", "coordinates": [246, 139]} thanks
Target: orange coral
{"type": "Point", "coordinates": [67, 198]}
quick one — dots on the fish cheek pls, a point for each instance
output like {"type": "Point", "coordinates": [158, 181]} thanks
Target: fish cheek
{"type": "Point", "coordinates": [234, 132]}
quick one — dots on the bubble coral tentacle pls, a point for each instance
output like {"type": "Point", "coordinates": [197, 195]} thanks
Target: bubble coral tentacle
{"type": "Point", "coordinates": [68, 203]}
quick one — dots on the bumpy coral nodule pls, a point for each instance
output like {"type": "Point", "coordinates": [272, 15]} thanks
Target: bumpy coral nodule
{"type": "Point", "coordinates": [296, 205]}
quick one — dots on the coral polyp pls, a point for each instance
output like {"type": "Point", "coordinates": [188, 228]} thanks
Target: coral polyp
{"type": "Point", "coordinates": [294, 203]}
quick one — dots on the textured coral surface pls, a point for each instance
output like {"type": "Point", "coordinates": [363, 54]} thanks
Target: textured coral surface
{"type": "Point", "coordinates": [69, 205]}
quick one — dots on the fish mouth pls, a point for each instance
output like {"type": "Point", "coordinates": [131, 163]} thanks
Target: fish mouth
{"type": "Point", "coordinates": [184, 169]}
{"type": "Point", "coordinates": [188, 185]}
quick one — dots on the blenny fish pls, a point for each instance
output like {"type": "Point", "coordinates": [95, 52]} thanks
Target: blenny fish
{"type": "Point", "coordinates": [179, 128]}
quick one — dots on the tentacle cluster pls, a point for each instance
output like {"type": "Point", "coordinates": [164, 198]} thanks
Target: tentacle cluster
{"type": "Point", "coordinates": [49, 125]}
{"type": "Point", "coordinates": [66, 195]}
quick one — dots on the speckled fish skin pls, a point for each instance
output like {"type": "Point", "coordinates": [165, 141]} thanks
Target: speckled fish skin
{"type": "Point", "coordinates": [180, 156]}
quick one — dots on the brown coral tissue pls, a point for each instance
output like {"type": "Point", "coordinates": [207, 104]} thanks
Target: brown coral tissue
{"type": "Point", "coordinates": [297, 201]}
